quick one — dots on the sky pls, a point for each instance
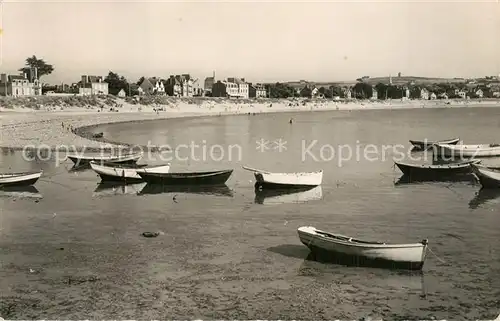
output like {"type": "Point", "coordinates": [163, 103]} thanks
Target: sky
{"type": "Point", "coordinates": [261, 41]}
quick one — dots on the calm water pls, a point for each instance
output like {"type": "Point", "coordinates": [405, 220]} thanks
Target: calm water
{"type": "Point", "coordinates": [78, 252]}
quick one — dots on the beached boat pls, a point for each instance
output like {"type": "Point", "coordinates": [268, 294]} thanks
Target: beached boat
{"type": "Point", "coordinates": [469, 151]}
{"type": "Point", "coordinates": [213, 190]}
{"type": "Point", "coordinates": [188, 178]}
{"type": "Point", "coordinates": [436, 171]}
{"type": "Point", "coordinates": [286, 180]}
{"type": "Point", "coordinates": [425, 144]}
{"type": "Point", "coordinates": [29, 191]}
{"type": "Point", "coordinates": [19, 179]}
{"type": "Point", "coordinates": [122, 159]}
{"type": "Point", "coordinates": [287, 196]}
{"type": "Point", "coordinates": [126, 173]}
{"type": "Point", "coordinates": [116, 188]}
{"type": "Point", "coordinates": [98, 135]}
{"type": "Point", "coordinates": [404, 256]}
{"type": "Point", "coordinates": [488, 177]}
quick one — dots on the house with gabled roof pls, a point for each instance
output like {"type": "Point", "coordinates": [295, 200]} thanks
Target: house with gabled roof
{"type": "Point", "coordinates": [25, 84]}
{"type": "Point", "coordinates": [225, 88]}
{"type": "Point", "coordinates": [152, 86]}
{"type": "Point", "coordinates": [180, 85]}
{"type": "Point", "coordinates": [242, 85]}
{"type": "Point", "coordinates": [92, 85]}
{"type": "Point", "coordinates": [256, 91]}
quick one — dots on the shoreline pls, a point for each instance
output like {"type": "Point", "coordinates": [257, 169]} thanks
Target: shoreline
{"type": "Point", "coordinates": [23, 128]}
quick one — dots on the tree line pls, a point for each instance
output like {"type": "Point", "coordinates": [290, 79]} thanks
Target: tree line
{"type": "Point", "coordinates": [360, 90]}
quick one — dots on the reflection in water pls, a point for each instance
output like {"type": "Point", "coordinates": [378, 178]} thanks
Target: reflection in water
{"type": "Point", "coordinates": [283, 196]}
{"type": "Point", "coordinates": [406, 180]}
{"type": "Point", "coordinates": [221, 190]}
{"type": "Point", "coordinates": [20, 192]}
{"type": "Point", "coordinates": [379, 278]}
{"type": "Point", "coordinates": [484, 196]}
{"type": "Point", "coordinates": [110, 189]}
{"type": "Point", "coordinates": [79, 168]}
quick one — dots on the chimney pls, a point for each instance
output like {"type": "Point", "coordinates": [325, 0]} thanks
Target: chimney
{"type": "Point", "coordinates": [243, 79]}
{"type": "Point", "coordinates": [3, 78]}
{"type": "Point", "coordinates": [84, 79]}
{"type": "Point", "coordinates": [35, 74]}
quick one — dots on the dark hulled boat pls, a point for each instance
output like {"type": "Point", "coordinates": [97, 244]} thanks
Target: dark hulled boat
{"type": "Point", "coordinates": [425, 144]}
{"type": "Point", "coordinates": [488, 177]}
{"type": "Point", "coordinates": [435, 172]}
{"type": "Point", "coordinates": [188, 178]}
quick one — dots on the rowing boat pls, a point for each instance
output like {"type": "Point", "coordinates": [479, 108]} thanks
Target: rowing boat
{"type": "Point", "coordinates": [402, 256]}
{"type": "Point", "coordinates": [122, 159]}
{"type": "Point", "coordinates": [286, 180]}
{"type": "Point", "coordinates": [469, 151]}
{"type": "Point", "coordinates": [188, 178]}
{"type": "Point", "coordinates": [435, 171]}
{"type": "Point", "coordinates": [425, 144]}
{"type": "Point", "coordinates": [488, 177]}
{"type": "Point", "coordinates": [126, 173]}
{"type": "Point", "coordinates": [19, 179]}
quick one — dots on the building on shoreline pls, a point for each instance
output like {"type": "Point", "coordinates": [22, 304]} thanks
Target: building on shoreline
{"type": "Point", "coordinates": [256, 91]}
{"type": "Point", "coordinates": [24, 84]}
{"type": "Point", "coordinates": [232, 88]}
{"type": "Point", "coordinates": [180, 85]}
{"type": "Point", "coordinates": [151, 86]}
{"type": "Point", "coordinates": [243, 90]}
{"type": "Point", "coordinates": [209, 82]}
{"type": "Point", "coordinates": [93, 85]}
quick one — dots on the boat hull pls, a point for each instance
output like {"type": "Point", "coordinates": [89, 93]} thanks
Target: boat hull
{"type": "Point", "coordinates": [435, 172]}
{"type": "Point", "coordinates": [85, 160]}
{"type": "Point", "coordinates": [21, 179]}
{"type": "Point", "coordinates": [288, 180]}
{"type": "Point", "coordinates": [405, 256]}
{"type": "Point", "coordinates": [197, 178]}
{"type": "Point", "coordinates": [487, 177]}
{"type": "Point", "coordinates": [125, 174]}
{"type": "Point", "coordinates": [425, 145]}
{"type": "Point", "coordinates": [466, 151]}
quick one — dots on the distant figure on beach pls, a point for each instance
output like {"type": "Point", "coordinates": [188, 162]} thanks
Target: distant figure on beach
{"type": "Point", "coordinates": [291, 120]}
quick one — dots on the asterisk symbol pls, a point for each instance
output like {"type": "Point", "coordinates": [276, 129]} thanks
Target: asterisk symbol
{"type": "Point", "coordinates": [262, 145]}
{"type": "Point", "coordinates": [280, 145]}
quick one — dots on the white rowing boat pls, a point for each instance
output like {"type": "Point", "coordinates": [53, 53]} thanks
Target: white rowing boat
{"type": "Point", "coordinates": [467, 151]}
{"type": "Point", "coordinates": [488, 177]}
{"type": "Point", "coordinates": [19, 179]}
{"type": "Point", "coordinates": [129, 173]}
{"type": "Point", "coordinates": [409, 256]}
{"type": "Point", "coordinates": [283, 180]}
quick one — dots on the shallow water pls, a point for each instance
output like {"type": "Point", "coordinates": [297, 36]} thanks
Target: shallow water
{"type": "Point", "coordinates": [234, 256]}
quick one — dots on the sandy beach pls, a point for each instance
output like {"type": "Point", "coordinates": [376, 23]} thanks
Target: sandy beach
{"type": "Point", "coordinates": [52, 127]}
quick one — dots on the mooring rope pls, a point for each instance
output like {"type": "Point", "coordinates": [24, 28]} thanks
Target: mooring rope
{"type": "Point", "coordinates": [437, 257]}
